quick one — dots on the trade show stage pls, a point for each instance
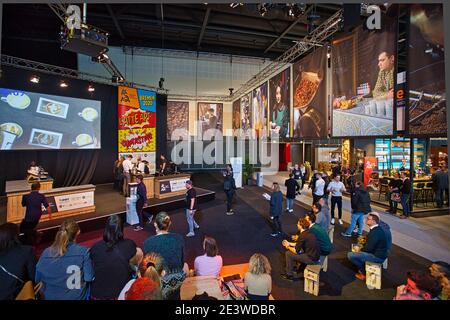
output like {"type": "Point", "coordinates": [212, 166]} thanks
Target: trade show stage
{"type": "Point", "coordinates": [109, 202]}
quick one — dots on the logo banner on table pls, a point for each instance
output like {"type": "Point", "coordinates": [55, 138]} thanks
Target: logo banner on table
{"type": "Point", "coordinates": [177, 185]}
{"type": "Point", "coordinates": [137, 140]}
{"type": "Point", "coordinates": [370, 164]}
{"type": "Point", "coordinates": [74, 201]}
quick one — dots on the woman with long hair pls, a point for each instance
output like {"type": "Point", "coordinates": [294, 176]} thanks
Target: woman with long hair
{"type": "Point", "coordinates": [211, 262]}
{"type": "Point", "coordinates": [258, 282]}
{"type": "Point", "coordinates": [65, 268]}
{"type": "Point", "coordinates": [17, 262]}
{"type": "Point", "coordinates": [114, 259]}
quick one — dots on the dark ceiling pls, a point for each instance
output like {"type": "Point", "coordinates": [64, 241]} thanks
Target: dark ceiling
{"type": "Point", "coordinates": [210, 28]}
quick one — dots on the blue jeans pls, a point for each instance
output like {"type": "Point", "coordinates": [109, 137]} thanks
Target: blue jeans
{"type": "Point", "coordinates": [356, 217]}
{"type": "Point", "coordinates": [190, 220]}
{"type": "Point", "coordinates": [405, 204]}
{"type": "Point", "coordinates": [359, 259]}
{"type": "Point", "coordinates": [289, 204]}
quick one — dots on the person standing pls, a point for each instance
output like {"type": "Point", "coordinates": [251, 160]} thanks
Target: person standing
{"type": "Point", "coordinates": [326, 193]}
{"type": "Point", "coordinates": [336, 187]}
{"type": "Point", "coordinates": [319, 186]}
{"type": "Point", "coordinates": [141, 203]}
{"type": "Point", "coordinates": [440, 182]}
{"type": "Point", "coordinates": [394, 193]}
{"type": "Point", "coordinates": [191, 208]}
{"type": "Point", "coordinates": [292, 189]}
{"type": "Point", "coordinates": [298, 176]}
{"type": "Point", "coordinates": [276, 207]}
{"type": "Point", "coordinates": [303, 171]}
{"type": "Point", "coordinates": [127, 167]}
{"type": "Point", "coordinates": [229, 186]}
{"type": "Point", "coordinates": [33, 203]}
{"type": "Point", "coordinates": [405, 192]}
{"type": "Point", "coordinates": [360, 200]}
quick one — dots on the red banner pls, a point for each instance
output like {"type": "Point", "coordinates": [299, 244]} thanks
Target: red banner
{"type": "Point", "coordinates": [135, 118]}
{"type": "Point", "coordinates": [370, 163]}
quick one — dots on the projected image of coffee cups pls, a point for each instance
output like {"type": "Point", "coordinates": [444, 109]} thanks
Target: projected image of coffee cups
{"type": "Point", "coordinates": [17, 100]}
{"type": "Point", "coordinates": [83, 140]}
{"type": "Point", "coordinates": [89, 114]}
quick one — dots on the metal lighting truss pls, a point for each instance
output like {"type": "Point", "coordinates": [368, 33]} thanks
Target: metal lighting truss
{"type": "Point", "coordinates": [320, 34]}
{"type": "Point", "coordinates": [60, 10]}
{"type": "Point", "coordinates": [69, 73]}
{"type": "Point", "coordinates": [204, 98]}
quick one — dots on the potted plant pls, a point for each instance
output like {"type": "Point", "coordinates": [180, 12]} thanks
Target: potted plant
{"type": "Point", "coordinates": [247, 172]}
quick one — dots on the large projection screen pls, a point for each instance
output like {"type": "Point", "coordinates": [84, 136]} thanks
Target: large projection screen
{"type": "Point", "coordinates": [30, 120]}
{"type": "Point", "coordinates": [363, 71]}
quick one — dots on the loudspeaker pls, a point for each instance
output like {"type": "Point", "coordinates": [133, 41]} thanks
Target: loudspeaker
{"type": "Point", "coordinates": [352, 15]}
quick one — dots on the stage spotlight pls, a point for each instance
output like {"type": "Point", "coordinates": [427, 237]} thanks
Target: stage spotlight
{"type": "Point", "coordinates": [63, 84]}
{"type": "Point", "coordinates": [35, 79]}
{"type": "Point", "coordinates": [91, 88]}
{"type": "Point", "coordinates": [236, 4]}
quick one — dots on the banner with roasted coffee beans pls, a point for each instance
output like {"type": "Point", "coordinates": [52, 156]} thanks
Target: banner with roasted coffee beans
{"type": "Point", "coordinates": [177, 117]}
{"type": "Point", "coordinates": [260, 109]}
{"type": "Point", "coordinates": [310, 95]}
{"type": "Point", "coordinates": [426, 67]}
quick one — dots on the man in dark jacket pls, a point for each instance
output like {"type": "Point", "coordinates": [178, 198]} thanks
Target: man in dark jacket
{"type": "Point", "coordinates": [306, 250]}
{"type": "Point", "coordinates": [360, 200]}
{"type": "Point", "coordinates": [440, 184]}
{"type": "Point", "coordinates": [298, 176]}
{"type": "Point", "coordinates": [229, 186]}
{"type": "Point", "coordinates": [405, 192]}
{"type": "Point", "coordinates": [321, 234]}
{"type": "Point", "coordinates": [141, 194]}
{"type": "Point", "coordinates": [375, 249]}
{"type": "Point", "coordinates": [292, 188]}
{"type": "Point", "coordinates": [276, 208]}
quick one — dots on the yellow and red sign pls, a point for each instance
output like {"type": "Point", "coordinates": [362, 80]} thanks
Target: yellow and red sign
{"type": "Point", "coordinates": [132, 118]}
{"type": "Point", "coordinates": [128, 97]}
{"type": "Point", "coordinates": [137, 140]}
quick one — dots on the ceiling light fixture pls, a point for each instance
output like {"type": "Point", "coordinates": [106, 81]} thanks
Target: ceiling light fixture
{"type": "Point", "coordinates": [35, 79]}
{"type": "Point", "coordinates": [263, 9]}
{"type": "Point", "coordinates": [91, 88]}
{"type": "Point", "coordinates": [236, 4]}
{"type": "Point", "coordinates": [63, 84]}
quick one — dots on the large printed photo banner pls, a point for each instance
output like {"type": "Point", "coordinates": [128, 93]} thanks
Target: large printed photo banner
{"type": "Point", "coordinates": [260, 108]}
{"type": "Point", "coordinates": [246, 115]}
{"type": "Point", "coordinates": [310, 95]}
{"type": "Point", "coordinates": [210, 116]}
{"type": "Point", "coordinates": [363, 70]}
{"type": "Point", "coordinates": [236, 109]}
{"type": "Point", "coordinates": [427, 103]}
{"type": "Point", "coordinates": [280, 104]}
{"type": "Point", "coordinates": [177, 117]}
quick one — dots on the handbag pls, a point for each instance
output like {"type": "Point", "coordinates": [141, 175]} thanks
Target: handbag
{"type": "Point", "coordinates": [395, 196]}
{"type": "Point", "coordinates": [28, 292]}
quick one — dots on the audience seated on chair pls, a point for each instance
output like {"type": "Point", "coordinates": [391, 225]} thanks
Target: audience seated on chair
{"type": "Point", "coordinates": [305, 251]}
{"type": "Point", "coordinates": [258, 282]}
{"type": "Point", "coordinates": [375, 250]}
{"type": "Point", "coordinates": [321, 235]}
{"type": "Point", "coordinates": [115, 260]}
{"type": "Point", "coordinates": [15, 259]}
{"type": "Point", "coordinates": [211, 262]}
{"type": "Point", "coordinates": [65, 268]}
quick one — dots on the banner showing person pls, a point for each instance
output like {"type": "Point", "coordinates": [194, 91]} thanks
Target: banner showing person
{"type": "Point", "coordinates": [426, 67]}
{"type": "Point", "coordinates": [210, 116]}
{"type": "Point", "coordinates": [246, 115]}
{"type": "Point", "coordinates": [236, 117]}
{"type": "Point", "coordinates": [363, 69]}
{"type": "Point", "coordinates": [260, 108]}
{"type": "Point", "coordinates": [280, 104]}
{"type": "Point", "coordinates": [310, 95]}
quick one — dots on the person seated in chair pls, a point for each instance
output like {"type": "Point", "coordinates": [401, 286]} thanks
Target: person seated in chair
{"type": "Point", "coordinates": [375, 249]}
{"type": "Point", "coordinates": [321, 234]}
{"type": "Point", "coordinates": [306, 250]}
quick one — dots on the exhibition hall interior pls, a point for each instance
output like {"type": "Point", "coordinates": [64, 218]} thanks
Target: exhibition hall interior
{"type": "Point", "coordinates": [234, 151]}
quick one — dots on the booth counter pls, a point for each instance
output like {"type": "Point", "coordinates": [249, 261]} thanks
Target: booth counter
{"type": "Point", "coordinates": [171, 185]}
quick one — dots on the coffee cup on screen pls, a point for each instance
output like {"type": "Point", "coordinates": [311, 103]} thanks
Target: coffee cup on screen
{"type": "Point", "coordinates": [82, 140]}
{"type": "Point", "coordinates": [88, 114]}
{"type": "Point", "coordinates": [17, 100]}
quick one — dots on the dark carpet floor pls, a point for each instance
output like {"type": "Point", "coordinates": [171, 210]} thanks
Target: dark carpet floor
{"type": "Point", "coordinates": [248, 231]}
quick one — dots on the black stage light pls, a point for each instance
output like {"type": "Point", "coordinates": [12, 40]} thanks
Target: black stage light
{"type": "Point", "coordinates": [161, 83]}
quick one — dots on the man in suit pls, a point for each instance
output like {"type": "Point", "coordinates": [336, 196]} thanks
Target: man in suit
{"type": "Point", "coordinates": [306, 250]}
{"type": "Point", "coordinates": [375, 249]}
{"type": "Point", "coordinates": [292, 188]}
{"type": "Point", "coordinates": [440, 181]}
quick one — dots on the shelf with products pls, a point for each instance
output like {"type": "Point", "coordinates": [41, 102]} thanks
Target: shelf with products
{"type": "Point", "coordinates": [382, 153]}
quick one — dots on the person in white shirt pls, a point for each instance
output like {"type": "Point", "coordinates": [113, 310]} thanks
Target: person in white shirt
{"type": "Point", "coordinates": [336, 187]}
{"type": "Point", "coordinates": [210, 263]}
{"type": "Point", "coordinates": [127, 167]}
{"type": "Point", "coordinates": [319, 188]}
{"type": "Point", "coordinates": [141, 165]}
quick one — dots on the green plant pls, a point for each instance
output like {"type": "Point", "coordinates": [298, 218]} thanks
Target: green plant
{"type": "Point", "coordinates": [247, 171]}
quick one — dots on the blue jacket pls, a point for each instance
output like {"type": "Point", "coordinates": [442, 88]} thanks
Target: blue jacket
{"type": "Point", "coordinates": [66, 277]}
{"type": "Point", "coordinates": [276, 204]}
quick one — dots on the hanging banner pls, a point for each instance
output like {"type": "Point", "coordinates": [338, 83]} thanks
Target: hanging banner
{"type": "Point", "coordinates": [236, 117]}
{"type": "Point", "coordinates": [363, 71]}
{"type": "Point", "coordinates": [130, 118]}
{"type": "Point", "coordinates": [310, 95]}
{"type": "Point", "coordinates": [426, 67]}
{"type": "Point", "coordinates": [147, 100]}
{"type": "Point", "coordinates": [370, 163]}
{"type": "Point", "coordinates": [260, 109]}
{"type": "Point", "coordinates": [141, 140]}
{"type": "Point", "coordinates": [128, 97]}
{"type": "Point", "coordinates": [280, 104]}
